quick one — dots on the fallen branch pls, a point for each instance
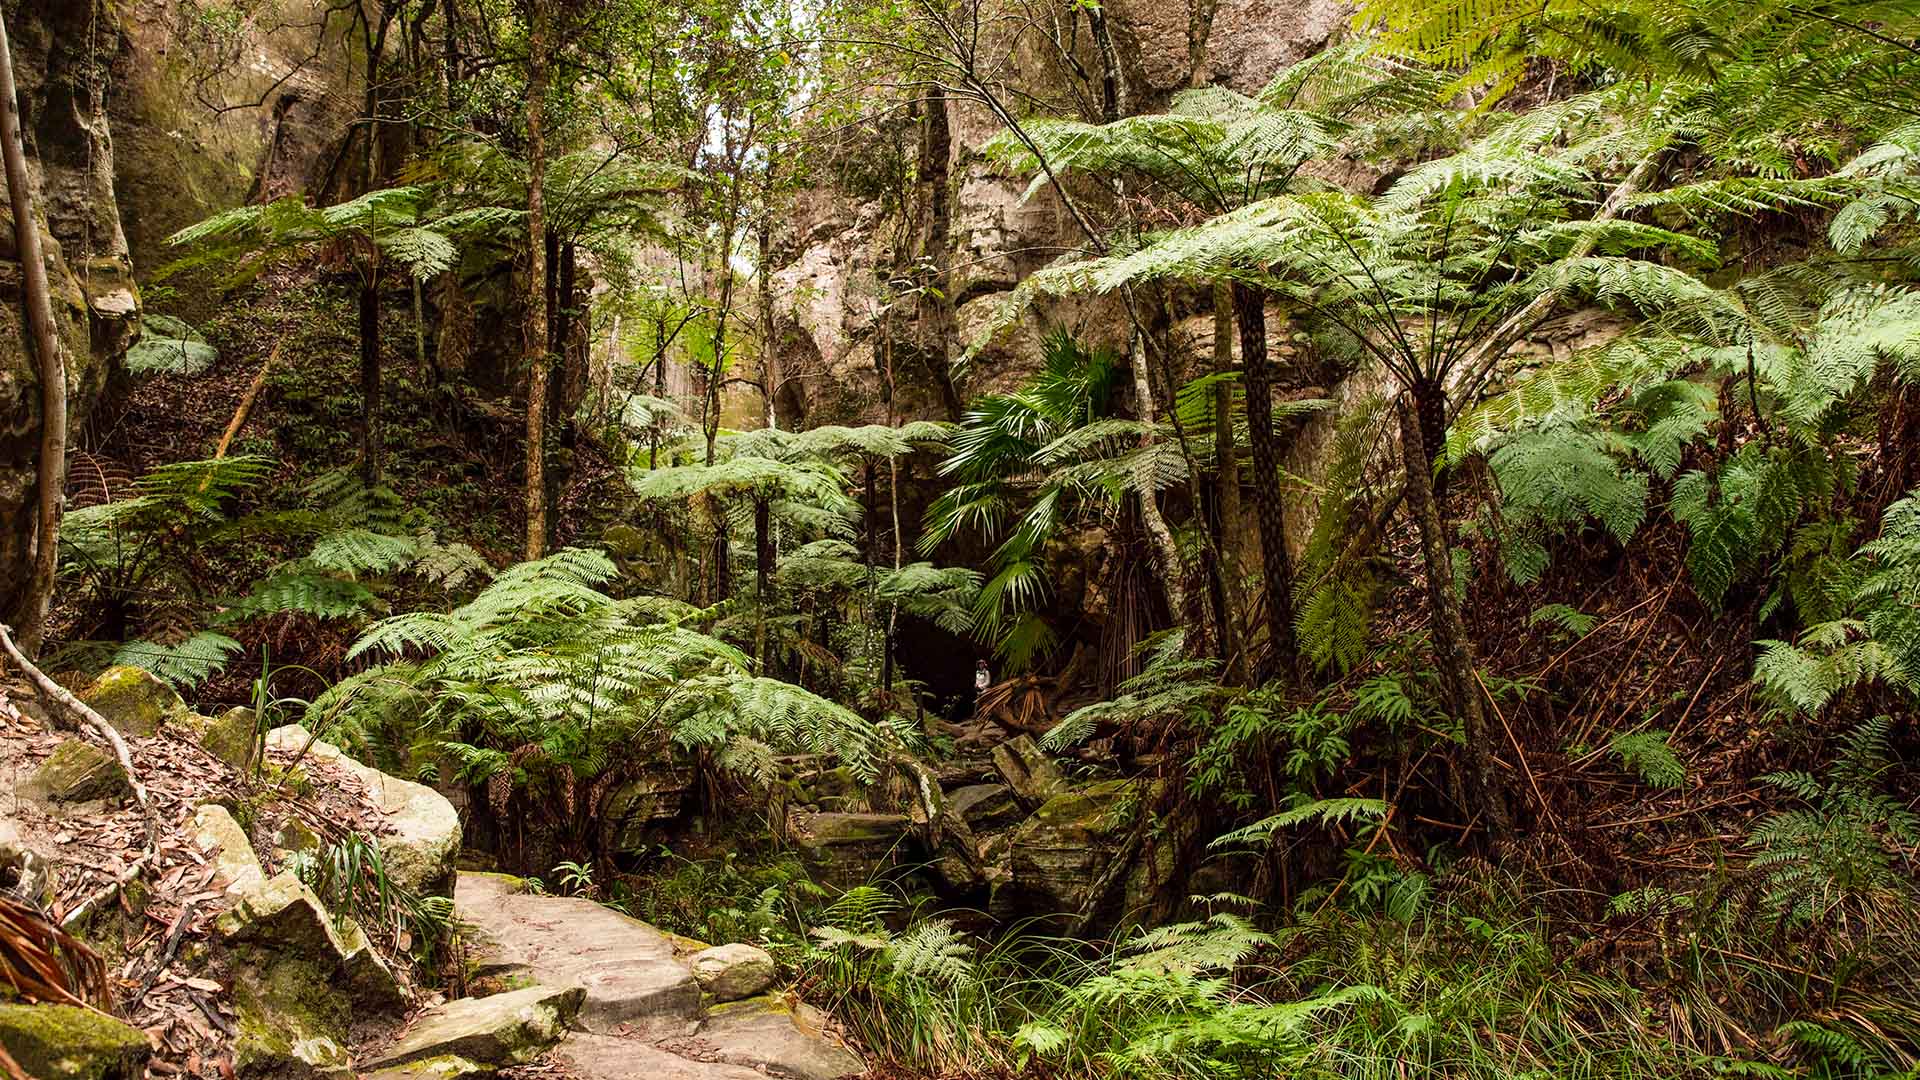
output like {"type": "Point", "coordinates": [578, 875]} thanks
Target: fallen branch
{"type": "Point", "coordinates": [246, 407]}
{"type": "Point", "coordinates": [61, 696]}
{"type": "Point", "coordinates": [107, 892]}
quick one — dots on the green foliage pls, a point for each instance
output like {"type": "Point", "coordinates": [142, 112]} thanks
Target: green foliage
{"type": "Point", "coordinates": [1840, 848]}
{"type": "Point", "coordinates": [350, 878]}
{"type": "Point", "coordinates": [1651, 756]}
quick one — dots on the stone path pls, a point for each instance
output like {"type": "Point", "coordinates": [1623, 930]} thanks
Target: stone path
{"type": "Point", "coordinates": [643, 1015]}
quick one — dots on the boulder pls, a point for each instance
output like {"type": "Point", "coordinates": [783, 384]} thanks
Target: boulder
{"type": "Point", "coordinates": [985, 807]}
{"type": "Point", "coordinates": [222, 837]}
{"type": "Point", "coordinates": [779, 1038]}
{"type": "Point", "coordinates": [367, 979]}
{"type": "Point", "coordinates": [851, 849]}
{"type": "Point", "coordinates": [444, 1067]}
{"type": "Point", "coordinates": [290, 1022]}
{"type": "Point", "coordinates": [284, 916]}
{"type": "Point", "coordinates": [612, 1057]}
{"type": "Point", "coordinates": [1058, 855]}
{"type": "Point", "coordinates": [732, 972]}
{"type": "Point", "coordinates": [77, 772]}
{"type": "Point", "coordinates": [136, 702]}
{"type": "Point", "coordinates": [657, 794]}
{"type": "Point", "coordinates": [505, 1029]}
{"type": "Point", "coordinates": [424, 836]}
{"type": "Point", "coordinates": [25, 870]}
{"type": "Point", "coordinates": [1032, 775]}
{"type": "Point", "coordinates": [232, 737]}
{"type": "Point", "coordinates": [64, 1042]}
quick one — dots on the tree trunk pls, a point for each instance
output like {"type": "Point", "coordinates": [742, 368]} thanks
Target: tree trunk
{"type": "Point", "coordinates": [1452, 649]}
{"type": "Point", "coordinates": [1173, 568]}
{"type": "Point", "coordinates": [762, 576]}
{"type": "Point", "coordinates": [936, 298]}
{"type": "Point", "coordinates": [536, 329]}
{"type": "Point", "coordinates": [1223, 516]}
{"type": "Point", "coordinates": [769, 349]}
{"type": "Point", "coordinates": [51, 476]}
{"type": "Point", "coordinates": [1276, 562]}
{"type": "Point", "coordinates": [371, 439]}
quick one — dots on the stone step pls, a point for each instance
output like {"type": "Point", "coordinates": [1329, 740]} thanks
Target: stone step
{"type": "Point", "coordinates": [505, 1029]}
{"type": "Point", "coordinates": [626, 967]}
{"type": "Point", "coordinates": [612, 1057]}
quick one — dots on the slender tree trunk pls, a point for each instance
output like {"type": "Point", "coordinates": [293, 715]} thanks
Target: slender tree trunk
{"type": "Point", "coordinates": [1276, 562]}
{"type": "Point", "coordinates": [51, 475]}
{"type": "Point", "coordinates": [371, 438]}
{"type": "Point", "coordinates": [769, 349]}
{"type": "Point", "coordinates": [936, 299]}
{"type": "Point", "coordinates": [1223, 517]}
{"type": "Point", "coordinates": [536, 329]}
{"type": "Point", "coordinates": [1453, 650]}
{"type": "Point", "coordinates": [762, 576]}
{"type": "Point", "coordinates": [1173, 568]}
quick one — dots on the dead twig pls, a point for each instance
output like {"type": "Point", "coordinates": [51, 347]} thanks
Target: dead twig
{"type": "Point", "coordinates": [61, 696]}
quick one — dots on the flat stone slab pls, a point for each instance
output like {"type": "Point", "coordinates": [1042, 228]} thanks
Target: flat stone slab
{"type": "Point", "coordinates": [419, 852]}
{"type": "Point", "coordinates": [776, 1037]}
{"type": "Point", "coordinates": [505, 1029]}
{"type": "Point", "coordinates": [626, 967]}
{"type": "Point", "coordinates": [611, 1057]}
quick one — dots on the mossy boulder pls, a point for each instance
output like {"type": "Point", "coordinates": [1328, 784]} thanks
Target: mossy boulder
{"type": "Point", "coordinates": [137, 703]}
{"type": "Point", "coordinates": [291, 1022]}
{"type": "Point", "coordinates": [62, 1042]}
{"type": "Point", "coordinates": [233, 737]}
{"type": "Point", "coordinates": [368, 981]}
{"type": "Point", "coordinates": [732, 972]}
{"type": "Point", "coordinates": [1031, 774]}
{"type": "Point", "coordinates": [422, 836]}
{"type": "Point", "coordinates": [504, 1029]}
{"type": "Point", "coordinates": [283, 915]}
{"type": "Point", "coordinates": [77, 772]}
{"type": "Point", "coordinates": [985, 807]}
{"type": "Point", "coordinates": [1059, 855]}
{"type": "Point", "coordinates": [777, 1037]}
{"type": "Point", "coordinates": [851, 849]}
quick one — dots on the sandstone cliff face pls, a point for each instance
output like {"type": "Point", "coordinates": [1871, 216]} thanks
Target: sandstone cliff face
{"type": "Point", "coordinates": [140, 117]}
{"type": "Point", "coordinates": [62, 51]}
{"type": "Point", "coordinates": [828, 289]}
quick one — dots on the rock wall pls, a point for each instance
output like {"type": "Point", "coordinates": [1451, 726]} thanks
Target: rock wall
{"type": "Point", "coordinates": [839, 246]}
{"type": "Point", "coordinates": [62, 55]}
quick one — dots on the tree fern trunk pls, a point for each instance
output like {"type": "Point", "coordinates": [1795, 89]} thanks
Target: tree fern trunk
{"type": "Point", "coordinates": [371, 471]}
{"type": "Point", "coordinates": [762, 575]}
{"type": "Point", "coordinates": [1452, 649]}
{"type": "Point", "coordinates": [1223, 515]}
{"type": "Point", "coordinates": [1276, 563]}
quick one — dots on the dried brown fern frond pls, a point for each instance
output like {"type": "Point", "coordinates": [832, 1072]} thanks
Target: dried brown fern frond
{"type": "Point", "coordinates": [43, 962]}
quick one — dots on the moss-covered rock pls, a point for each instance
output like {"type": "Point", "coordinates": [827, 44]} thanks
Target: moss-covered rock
{"type": "Point", "coordinates": [221, 837]}
{"type": "Point", "coordinates": [291, 1022]}
{"type": "Point", "coordinates": [61, 1042]}
{"type": "Point", "coordinates": [1059, 855]}
{"type": "Point", "coordinates": [368, 981]}
{"type": "Point", "coordinates": [985, 807]}
{"type": "Point", "coordinates": [1032, 775]}
{"type": "Point", "coordinates": [135, 702]}
{"type": "Point", "coordinates": [77, 772]}
{"type": "Point", "coordinates": [851, 849]}
{"type": "Point", "coordinates": [233, 737]}
{"type": "Point", "coordinates": [504, 1029]}
{"type": "Point", "coordinates": [732, 972]}
{"type": "Point", "coordinates": [285, 916]}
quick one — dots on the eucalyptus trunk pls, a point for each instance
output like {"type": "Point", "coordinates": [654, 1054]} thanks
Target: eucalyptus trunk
{"type": "Point", "coordinates": [536, 328]}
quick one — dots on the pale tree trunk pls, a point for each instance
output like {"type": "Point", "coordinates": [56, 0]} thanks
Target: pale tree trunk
{"type": "Point", "coordinates": [52, 363]}
{"type": "Point", "coordinates": [536, 328]}
{"type": "Point", "coordinates": [769, 349]}
{"type": "Point", "coordinates": [1452, 649]}
{"type": "Point", "coordinates": [1173, 568]}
